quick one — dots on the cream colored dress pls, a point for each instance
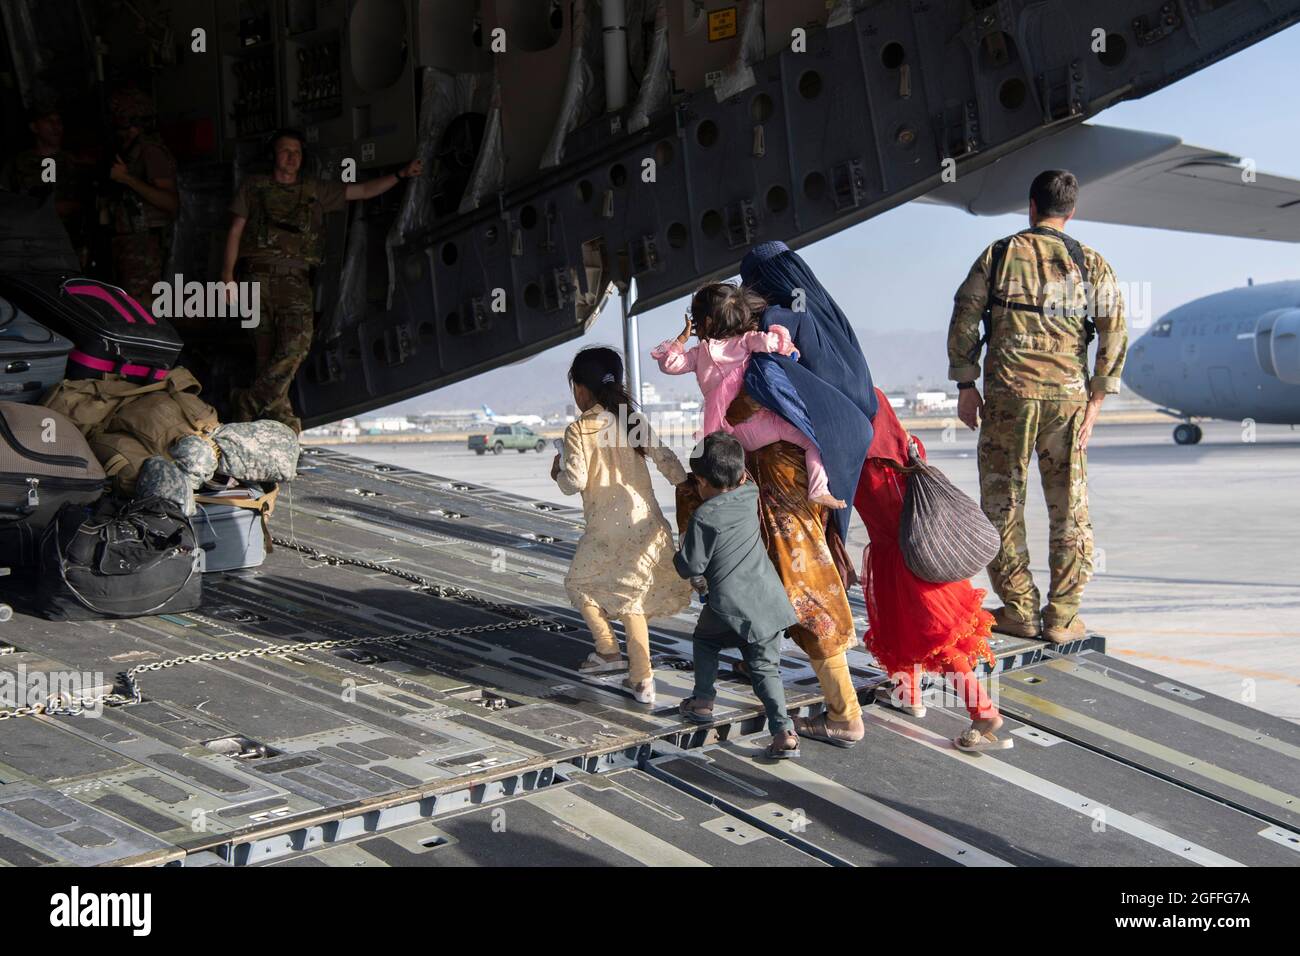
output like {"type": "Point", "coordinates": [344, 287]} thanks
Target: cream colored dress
{"type": "Point", "coordinates": [624, 561]}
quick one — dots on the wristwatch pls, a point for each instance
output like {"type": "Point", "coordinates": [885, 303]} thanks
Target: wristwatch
{"type": "Point", "coordinates": [961, 385]}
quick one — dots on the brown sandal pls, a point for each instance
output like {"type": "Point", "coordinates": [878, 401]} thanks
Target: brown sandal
{"type": "Point", "coordinates": [696, 713]}
{"type": "Point", "coordinates": [815, 728]}
{"type": "Point", "coordinates": [776, 752]}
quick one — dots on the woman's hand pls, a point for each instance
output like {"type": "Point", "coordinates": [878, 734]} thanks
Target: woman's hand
{"type": "Point", "coordinates": [555, 468]}
{"type": "Point", "coordinates": [686, 332]}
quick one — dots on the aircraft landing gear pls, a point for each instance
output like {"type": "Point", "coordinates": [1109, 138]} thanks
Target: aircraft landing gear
{"type": "Point", "coordinates": [1188, 434]}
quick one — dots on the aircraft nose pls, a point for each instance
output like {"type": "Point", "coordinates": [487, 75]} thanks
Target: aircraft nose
{"type": "Point", "coordinates": [1138, 371]}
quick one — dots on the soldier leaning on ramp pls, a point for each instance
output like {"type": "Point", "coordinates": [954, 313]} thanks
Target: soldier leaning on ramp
{"type": "Point", "coordinates": [277, 238]}
{"type": "Point", "coordinates": [1038, 297]}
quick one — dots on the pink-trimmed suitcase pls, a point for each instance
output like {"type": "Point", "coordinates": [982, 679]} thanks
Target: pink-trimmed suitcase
{"type": "Point", "coordinates": [110, 330]}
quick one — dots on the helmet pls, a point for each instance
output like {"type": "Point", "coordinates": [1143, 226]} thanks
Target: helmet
{"type": "Point", "coordinates": [130, 107]}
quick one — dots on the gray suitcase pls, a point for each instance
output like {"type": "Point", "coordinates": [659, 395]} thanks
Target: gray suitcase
{"type": "Point", "coordinates": [232, 527]}
{"type": "Point", "coordinates": [32, 358]}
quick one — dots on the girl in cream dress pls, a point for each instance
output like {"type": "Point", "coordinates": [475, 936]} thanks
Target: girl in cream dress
{"type": "Point", "coordinates": [623, 568]}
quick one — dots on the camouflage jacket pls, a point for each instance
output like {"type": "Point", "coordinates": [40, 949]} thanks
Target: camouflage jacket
{"type": "Point", "coordinates": [24, 172]}
{"type": "Point", "coordinates": [285, 221]}
{"type": "Point", "coordinates": [1038, 342]}
{"type": "Point", "coordinates": [148, 160]}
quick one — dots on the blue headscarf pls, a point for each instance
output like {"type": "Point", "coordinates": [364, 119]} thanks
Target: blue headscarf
{"type": "Point", "coordinates": [827, 394]}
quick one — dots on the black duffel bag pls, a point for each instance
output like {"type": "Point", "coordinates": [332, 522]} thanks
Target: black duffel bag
{"type": "Point", "coordinates": [944, 534]}
{"type": "Point", "coordinates": [118, 559]}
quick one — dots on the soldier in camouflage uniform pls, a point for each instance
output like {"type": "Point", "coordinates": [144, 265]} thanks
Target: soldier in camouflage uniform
{"type": "Point", "coordinates": [276, 238]}
{"type": "Point", "coordinates": [145, 202]}
{"type": "Point", "coordinates": [28, 172]}
{"type": "Point", "coordinates": [1039, 397]}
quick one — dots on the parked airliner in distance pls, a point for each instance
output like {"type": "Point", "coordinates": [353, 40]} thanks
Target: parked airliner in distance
{"type": "Point", "coordinates": [1233, 355]}
{"type": "Point", "coordinates": [495, 419]}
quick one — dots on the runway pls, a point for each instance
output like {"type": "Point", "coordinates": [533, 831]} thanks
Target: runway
{"type": "Point", "coordinates": [1196, 575]}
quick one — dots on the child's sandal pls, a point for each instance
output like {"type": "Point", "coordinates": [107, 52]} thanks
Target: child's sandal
{"type": "Point", "coordinates": [775, 750]}
{"type": "Point", "coordinates": [972, 741]}
{"type": "Point", "coordinates": [695, 713]}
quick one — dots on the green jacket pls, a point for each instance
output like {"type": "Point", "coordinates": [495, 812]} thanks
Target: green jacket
{"type": "Point", "coordinates": [723, 544]}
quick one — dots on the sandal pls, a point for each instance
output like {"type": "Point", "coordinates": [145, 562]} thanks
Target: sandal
{"type": "Point", "coordinates": [888, 695]}
{"type": "Point", "coordinates": [973, 741]}
{"type": "Point", "coordinates": [777, 751]}
{"type": "Point", "coordinates": [815, 728]}
{"type": "Point", "coordinates": [696, 713]}
{"type": "Point", "coordinates": [595, 664]}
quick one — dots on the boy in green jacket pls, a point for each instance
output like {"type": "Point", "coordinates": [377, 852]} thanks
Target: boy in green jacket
{"type": "Point", "coordinates": [746, 605]}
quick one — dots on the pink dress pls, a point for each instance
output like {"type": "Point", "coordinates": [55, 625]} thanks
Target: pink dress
{"type": "Point", "coordinates": [719, 366]}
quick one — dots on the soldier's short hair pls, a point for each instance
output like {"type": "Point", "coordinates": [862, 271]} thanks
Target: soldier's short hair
{"type": "Point", "coordinates": [720, 460]}
{"type": "Point", "coordinates": [1055, 192]}
{"type": "Point", "coordinates": [287, 133]}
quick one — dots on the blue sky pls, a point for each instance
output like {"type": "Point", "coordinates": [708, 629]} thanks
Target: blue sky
{"type": "Point", "coordinates": [898, 271]}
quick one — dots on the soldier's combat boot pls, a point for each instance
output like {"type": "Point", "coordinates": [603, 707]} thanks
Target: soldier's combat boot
{"type": "Point", "coordinates": [1007, 621]}
{"type": "Point", "coordinates": [1064, 633]}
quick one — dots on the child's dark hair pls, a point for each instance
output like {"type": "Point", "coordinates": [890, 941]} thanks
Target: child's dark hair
{"type": "Point", "coordinates": [600, 371]}
{"type": "Point", "coordinates": [721, 310]}
{"type": "Point", "coordinates": [720, 461]}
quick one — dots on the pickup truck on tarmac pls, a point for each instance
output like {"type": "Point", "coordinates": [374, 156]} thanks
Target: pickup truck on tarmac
{"type": "Point", "coordinates": [507, 436]}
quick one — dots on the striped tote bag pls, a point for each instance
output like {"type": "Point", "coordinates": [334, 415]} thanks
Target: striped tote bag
{"type": "Point", "coordinates": [943, 534]}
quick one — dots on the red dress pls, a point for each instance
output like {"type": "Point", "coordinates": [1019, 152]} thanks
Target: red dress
{"type": "Point", "coordinates": [915, 625]}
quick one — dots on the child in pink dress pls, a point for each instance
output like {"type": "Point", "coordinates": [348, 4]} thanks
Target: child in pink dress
{"type": "Point", "coordinates": [724, 317]}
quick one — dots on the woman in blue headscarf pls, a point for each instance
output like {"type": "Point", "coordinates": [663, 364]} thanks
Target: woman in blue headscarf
{"type": "Point", "coordinates": [827, 394]}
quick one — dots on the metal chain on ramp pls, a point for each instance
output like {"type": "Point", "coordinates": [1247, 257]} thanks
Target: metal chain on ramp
{"type": "Point", "coordinates": [70, 706]}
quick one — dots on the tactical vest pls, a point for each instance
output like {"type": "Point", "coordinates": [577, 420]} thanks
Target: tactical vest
{"type": "Point", "coordinates": [283, 221]}
{"type": "Point", "coordinates": [128, 210]}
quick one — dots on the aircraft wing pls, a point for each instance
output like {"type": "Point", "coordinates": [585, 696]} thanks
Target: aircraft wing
{"type": "Point", "coordinates": [1136, 178]}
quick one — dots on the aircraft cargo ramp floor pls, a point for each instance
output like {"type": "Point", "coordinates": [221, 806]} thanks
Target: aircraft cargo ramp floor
{"type": "Point", "coordinates": [398, 743]}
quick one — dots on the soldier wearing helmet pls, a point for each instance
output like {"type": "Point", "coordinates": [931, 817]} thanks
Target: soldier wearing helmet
{"type": "Point", "coordinates": [144, 203]}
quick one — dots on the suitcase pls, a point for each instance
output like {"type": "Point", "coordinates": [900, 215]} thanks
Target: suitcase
{"type": "Point", "coordinates": [37, 477]}
{"type": "Point", "coordinates": [111, 332]}
{"type": "Point", "coordinates": [32, 358]}
{"type": "Point", "coordinates": [232, 527]}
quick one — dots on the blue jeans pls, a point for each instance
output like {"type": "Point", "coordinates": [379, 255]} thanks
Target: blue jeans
{"type": "Point", "coordinates": [763, 657]}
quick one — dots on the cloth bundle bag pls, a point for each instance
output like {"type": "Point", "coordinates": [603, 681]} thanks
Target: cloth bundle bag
{"type": "Point", "coordinates": [944, 534]}
{"type": "Point", "coordinates": [257, 451]}
{"type": "Point", "coordinates": [160, 478]}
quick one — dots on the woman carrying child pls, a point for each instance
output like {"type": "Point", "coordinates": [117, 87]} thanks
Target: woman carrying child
{"type": "Point", "coordinates": [728, 329]}
{"type": "Point", "coordinates": [623, 567]}
{"type": "Point", "coordinates": [795, 533]}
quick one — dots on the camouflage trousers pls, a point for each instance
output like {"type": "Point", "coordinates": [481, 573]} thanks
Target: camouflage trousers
{"type": "Point", "coordinates": [283, 338]}
{"type": "Point", "coordinates": [1012, 431]}
{"type": "Point", "coordinates": [138, 260]}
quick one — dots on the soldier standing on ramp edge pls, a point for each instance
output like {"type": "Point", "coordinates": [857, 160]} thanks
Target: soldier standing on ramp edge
{"type": "Point", "coordinates": [1040, 297]}
{"type": "Point", "coordinates": [276, 234]}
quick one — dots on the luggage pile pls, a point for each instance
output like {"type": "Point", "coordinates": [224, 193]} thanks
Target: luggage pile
{"type": "Point", "coordinates": [119, 485]}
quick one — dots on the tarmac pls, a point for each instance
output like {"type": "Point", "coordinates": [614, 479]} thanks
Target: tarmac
{"type": "Point", "coordinates": [1196, 576]}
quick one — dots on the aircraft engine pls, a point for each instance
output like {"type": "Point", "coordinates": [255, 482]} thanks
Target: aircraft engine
{"type": "Point", "coordinates": [1277, 344]}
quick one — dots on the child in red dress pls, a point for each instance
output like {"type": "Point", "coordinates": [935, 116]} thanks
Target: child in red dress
{"type": "Point", "coordinates": [917, 626]}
